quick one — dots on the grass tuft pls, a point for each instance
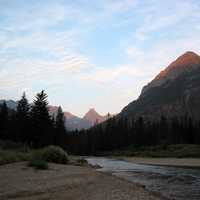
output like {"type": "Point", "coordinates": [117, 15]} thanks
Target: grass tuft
{"type": "Point", "coordinates": [38, 164]}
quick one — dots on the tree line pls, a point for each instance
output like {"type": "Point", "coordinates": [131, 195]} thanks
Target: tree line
{"type": "Point", "coordinates": [33, 126]}
{"type": "Point", "coordinates": [118, 133]}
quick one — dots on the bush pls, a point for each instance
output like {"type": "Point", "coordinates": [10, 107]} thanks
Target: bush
{"type": "Point", "coordinates": [38, 164]}
{"type": "Point", "coordinates": [41, 157]}
{"type": "Point", "coordinates": [52, 154]}
{"type": "Point", "coordinates": [55, 154]}
{"type": "Point", "coordinates": [7, 156]}
{"type": "Point", "coordinates": [81, 162]}
{"type": "Point", "coordinates": [49, 154]}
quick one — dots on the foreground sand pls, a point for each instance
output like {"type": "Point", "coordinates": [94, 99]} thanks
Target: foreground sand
{"type": "Point", "coordinates": [179, 162]}
{"type": "Point", "coordinates": [63, 182]}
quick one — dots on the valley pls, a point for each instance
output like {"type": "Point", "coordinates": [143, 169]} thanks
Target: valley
{"type": "Point", "coordinates": [100, 100]}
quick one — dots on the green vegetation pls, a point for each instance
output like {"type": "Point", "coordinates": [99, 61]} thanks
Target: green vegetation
{"type": "Point", "coordinates": [37, 158]}
{"type": "Point", "coordinates": [10, 156]}
{"type": "Point", "coordinates": [161, 151]}
{"type": "Point", "coordinates": [81, 162]}
{"type": "Point", "coordinates": [32, 126]}
{"type": "Point", "coordinates": [38, 164]}
{"type": "Point", "coordinates": [13, 152]}
{"type": "Point", "coordinates": [52, 154]}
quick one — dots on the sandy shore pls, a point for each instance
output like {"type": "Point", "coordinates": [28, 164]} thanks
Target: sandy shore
{"type": "Point", "coordinates": [179, 162]}
{"type": "Point", "coordinates": [65, 182]}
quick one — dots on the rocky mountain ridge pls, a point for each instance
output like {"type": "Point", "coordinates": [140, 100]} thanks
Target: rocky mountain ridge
{"type": "Point", "coordinates": [185, 63]}
{"type": "Point", "coordinates": [72, 122]}
{"type": "Point", "coordinates": [174, 92]}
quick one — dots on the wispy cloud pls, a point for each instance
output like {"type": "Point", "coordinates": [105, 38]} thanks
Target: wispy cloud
{"type": "Point", "coordinates": [165, 15]}
{"type": "Point", "coordinates": [64, 47]}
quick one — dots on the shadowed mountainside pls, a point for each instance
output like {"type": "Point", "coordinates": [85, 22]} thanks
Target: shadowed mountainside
{"type": "Point", "coordinates": [174, 92]}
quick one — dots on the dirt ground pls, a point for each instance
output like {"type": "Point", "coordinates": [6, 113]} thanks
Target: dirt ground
{"type": "Point", "coordinates": [63, 182]}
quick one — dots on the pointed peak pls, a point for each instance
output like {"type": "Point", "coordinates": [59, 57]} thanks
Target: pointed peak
{"type": "Point", "coordinates": [184, 61]}
{"type": "Point", "coordinates": [190, 53]}
{"type": "Point", "coordinates": [91, 111]}
{"type": "Point", "coordinates": [188, 58]}
{"type": "Point", "coordinates": [93, 116]}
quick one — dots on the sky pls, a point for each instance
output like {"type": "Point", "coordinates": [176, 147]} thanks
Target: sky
{"type": "Point", "coordinates": [91, 53]}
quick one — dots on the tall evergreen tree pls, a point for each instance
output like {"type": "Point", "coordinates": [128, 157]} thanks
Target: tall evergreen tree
{"type": "Point", "coordinates": [60, 127]}
{"type": "Point", "coordinates": [22, 118]}
{"type": "Point", "coordinates": [42, 126]}
{"type": "Point", "coordinates": [3, 120]}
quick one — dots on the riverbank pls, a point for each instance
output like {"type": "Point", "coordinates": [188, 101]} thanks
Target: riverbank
{"type": "Point", "coordinates": [159, 151]}
{"type": "Point", "coordinates": [170, 182]}
{"type": "Point", "coordinates": [174, 162]}
{"type": "Point", "coordinates": [17, 181]}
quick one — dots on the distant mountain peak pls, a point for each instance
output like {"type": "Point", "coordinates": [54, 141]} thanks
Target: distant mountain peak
{"type": "Point", "coordinates": [68, 115]}
{"type": "Point", "coordinates": [93, 116]}
{"type": "Point", "coordinates": [175, 91]}
{"type": "Point", "coordinates": [188, 59]}
{"type": "Point", "coordinates": [10, 103]}
{"type": "Point", "coordinates": [92, 110]}
{"type": "Point", "coordinates": [186, 62]}
{"type": "Point", "coordinates": [91, 113]}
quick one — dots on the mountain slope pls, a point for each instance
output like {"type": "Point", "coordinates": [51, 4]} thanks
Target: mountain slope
{"type": "Point", "coordinates": [174, 92]}
{"type": "Point", "coordinates": [10, 104]}
{"type": "Point", "coordinates": [93, 116]}
{"type": "Point", "coordinates": [72, 122]}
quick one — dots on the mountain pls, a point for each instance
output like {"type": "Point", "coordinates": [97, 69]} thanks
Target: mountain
{"type": "Point", "coordinates": [175, 91]}
{"type": "Point", "coordinates": [73, 122]}
{"type": "Point", "coordinates": [10, 104]}
{"type": "Point", "coordinates": [94, 117]}
{"type": "Point", "coordinates": [53, 110]}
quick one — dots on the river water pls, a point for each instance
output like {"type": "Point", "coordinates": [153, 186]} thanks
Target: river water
{"type": "Point", "coordinates": [170, 182]}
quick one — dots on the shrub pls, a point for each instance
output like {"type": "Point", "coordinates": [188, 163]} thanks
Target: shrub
{"type": "Point", "coordinates": [8, 156]}
{"type": "Point", "coordinates": [38, 164]}
{"type": "Point", "coordinates": [54, 154]}
{"type": "Point", "coordinates": [81, 162]}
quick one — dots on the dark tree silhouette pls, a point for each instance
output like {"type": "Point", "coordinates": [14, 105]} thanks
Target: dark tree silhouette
{"type": "Point", "coordinates": [41, 122]}
{"type": "Point", "coordinates": [23, 119]}
{"type": "Point", "coordinates": [60, 131]}
{"type": "Point", "coordinates": [35, 127]}
{"type": "Point", "coordinates": [3, 120]}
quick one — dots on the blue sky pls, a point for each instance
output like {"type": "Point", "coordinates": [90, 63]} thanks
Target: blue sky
{"type": "Point", "coordinates": [91, 53]}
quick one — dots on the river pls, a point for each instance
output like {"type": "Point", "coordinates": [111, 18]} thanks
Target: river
{"type": "Point", "coordinates": [170, 182]}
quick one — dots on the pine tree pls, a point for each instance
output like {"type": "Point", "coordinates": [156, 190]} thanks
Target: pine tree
{"type": "Point", "coordinates": [22, 118]}
{"type": "Point", "coordinates": [140, 131]}
{"type": "Point", "coordinates": [60, 127]}
{"type": "Point", "coordinates": [3, 120]}
{"type": "Point", "coordinates": [42, 127]}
